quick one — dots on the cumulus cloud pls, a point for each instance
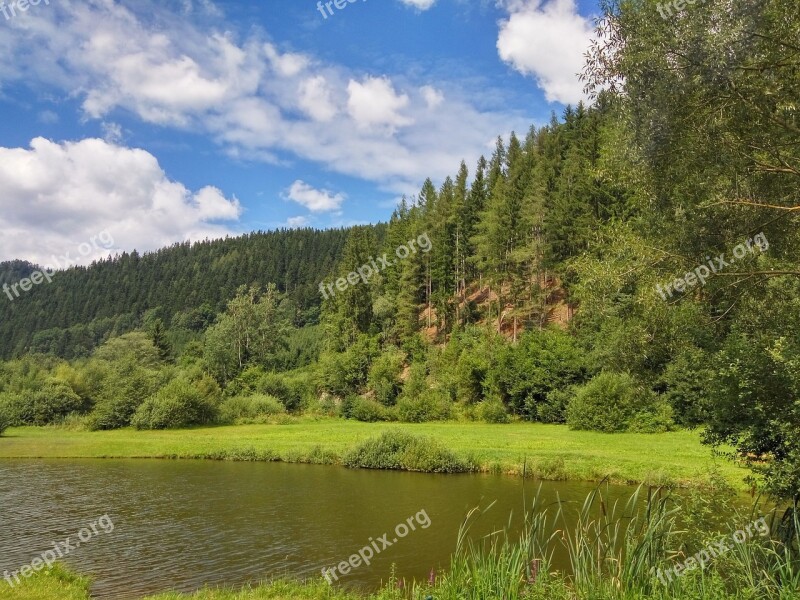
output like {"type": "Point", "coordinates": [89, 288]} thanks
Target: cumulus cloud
{"type": "Point", "coordinates": [547, 39]}
{"type": "Point", "coordinates": [419, 4]}
{"type": "Point", "coordinates": [315, 99]}
{"type": "Point", "coordinates": [313, 199]}
{"type": "Point", "coordinates": [432, 96]}
{"type": "Point", "coordinates": [296, 222]}
{"type": "Point", "coordinates": [56, 196]}
{"type": "Point", "coordinates": [257, 101]}
{"type": "Point", "coordinates": [375, 102]}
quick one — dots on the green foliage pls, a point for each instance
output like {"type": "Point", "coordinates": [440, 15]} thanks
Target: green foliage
{"type": "Point", "coordinates": [687, 380]}
{"type": "Point", "coordinates": [345, 373]}
{"type": "Point", "coordinates": [16, 409]}
{"type": "Point", "coordinates": [608, 403]}
{"type": "Point", "coordinates": [5, 418]}
{"type": "Point", "coordinates": [178, 404]}
{"type": "Point", "coordinates": [430, 405]}
{"type": "Point", "coordinates": [190, 282]}
{"type": "Point", "coordinates": [541, 362]}
{"type": "Point", "coordinates": [158, 335]}
{"type": "Point", "coordinates": [256, 408]}
{"type": "Point", "coordinates": [656, 418]}
{"type": "Point", "coordinates": [250, 333]}
{"type": "Point", "coordinates": [364, 409]}
{"type": "Point", "coordinates": [554, 408]}
{"type": "Point", "coordinates": [384, 376]}
{"type": "Point", "coordinates": [120, 376]}
{"type": "Point", "coordinates": [292, 389]}
{"type": "Point", "coordinates": [51, 403]}
{"type": "Point", "coordinates": [493, 411]}
{"type": "Point", "coordinates": [396, 450]}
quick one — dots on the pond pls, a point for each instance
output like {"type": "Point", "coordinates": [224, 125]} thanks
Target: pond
{"type": "Point", "coordinates": [180, 525]}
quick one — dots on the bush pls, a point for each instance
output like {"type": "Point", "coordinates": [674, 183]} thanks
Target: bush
{"type": "Point", "coordinates": [401, 451]}
{"type": "Point", "coordinates": [15, 409]}
{"type": "Point", "coordinates": [364, 409]}
{"type": "Point", "coordinates": [657, 418]}
{"type": "Point", "coordinates": [178, 404]}
{"type": "Point", "coordinates": [257, 408]}
{"type": "Point", "coordinates": [51, 403]}
{"type": "Point", "coordinates": [120, 391]}
{"type": "Point", "coordinates": [291, 391]}
{"type": "Point", "coordinates": [346, 372]}
{"type": "Point", "coordinates": [524, 374]}
{"type": "Point", "coordinates": [5, 419]}
{"type": "Point", "coordinates": [493, 411]}
{"type": "Point", "coordinates": [431, 405]}
{"type": "Point", "coordinates": [384, 376]}
{"type": "Point", "coordinates": [608, 403]}
{"type": "Point", "coordinates": [687, 381]}
{"type": "Point", "coordinates": [554, 408]}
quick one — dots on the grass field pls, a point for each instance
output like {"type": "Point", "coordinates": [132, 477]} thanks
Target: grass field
{"type": "Point", "coordinates": [550, 451]}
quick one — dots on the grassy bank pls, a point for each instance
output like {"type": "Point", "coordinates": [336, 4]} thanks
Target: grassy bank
{"type": "Point", "coordinates": [551, 451]}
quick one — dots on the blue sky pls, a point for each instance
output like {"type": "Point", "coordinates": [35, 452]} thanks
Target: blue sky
{"type": "Point", "coordinates": [186, 119]}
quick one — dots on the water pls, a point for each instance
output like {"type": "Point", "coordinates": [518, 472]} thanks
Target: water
{"type": "Point", "coordinates": [182, 525]}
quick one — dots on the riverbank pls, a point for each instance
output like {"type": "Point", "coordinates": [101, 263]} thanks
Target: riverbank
{"type": "Point", "coordinates": [550, 452]}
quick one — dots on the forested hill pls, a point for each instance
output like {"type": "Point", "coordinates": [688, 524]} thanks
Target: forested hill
{"type": "Point", "coordinates": [186, 284]}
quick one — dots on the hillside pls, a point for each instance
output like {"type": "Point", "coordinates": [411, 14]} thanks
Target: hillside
{"type": "Point", "coordinates": [189, 283]}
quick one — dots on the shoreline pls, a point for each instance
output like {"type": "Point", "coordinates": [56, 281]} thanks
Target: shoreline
{"type": "Point", "coordinates": [544, 452]}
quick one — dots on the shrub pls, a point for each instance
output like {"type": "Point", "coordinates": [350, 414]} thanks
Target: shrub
{"type": "Point", "coordinates": [431, 405]}
{"type": "Point", "coordinates": [470, 373]}
{"type": "Point", "coordinates": [657, 418]}
{"type": "Point", "coordinates": [493, 411]}
{"type": "Point", "coordinates": [364, 409]}
{"type": "Point", "coordinates": [120, 391]}
{"type": "Point", "coordinates": [402, 451]}
{"type": "Point", "coordinates": [554, 408]}
{"type": "Point", "coordinates": [291, 391]}
{"type": "Point", "coordinates": [178, 404]}
{"type": "Point", "coordinates": [17, 411]}
{"type": "Point", "coordinates": [687, 381]}
{"type": "Point", "coordinates": [5, 419]}
{"type": "Point", "coordinates": [54, 401]}
{"type": "Point", "coordinates": [384, 376]}
{"type": "Point", "coordinates": [346, 372]}
{"type": "Point", "coordinates": [607, 403]}
{"type": "Point", "coordinates": [543, 361]}
{"type": "Point", "coordinates": [250, 409]}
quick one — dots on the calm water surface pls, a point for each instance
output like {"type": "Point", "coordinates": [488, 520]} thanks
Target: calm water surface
{"type": "Point", "coordinates": [180, 525]}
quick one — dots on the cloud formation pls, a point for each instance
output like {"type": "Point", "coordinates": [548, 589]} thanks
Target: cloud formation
{"type": "Point", "coordinates": [255, 100]}
{"type": "Point", "coordinates": [419, 4]}
{"type": "Point", "coordinates": [547, 39]}
{"type": "Point", "coordinates": [55, 196]}
{"type": "Point", "coordinates": [313, 199]}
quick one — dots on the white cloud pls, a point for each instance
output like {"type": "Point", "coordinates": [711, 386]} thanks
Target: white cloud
{"type": "Point", "coordinates": [419, 4]}
{"type": "Point", "coordinates": [375, 103]}
{"type": "Point", "coordinates": [315, 99]}
{"type": "Point", "coordinates": [55, 196]}
{"type": "Point", "coordinates": [547, 39]}
{"type": "Point", "coordinates": [287, 64]}
{"type": "Point", "coordinates": [313, 199]}
{"type": "Point", "coordinates": [256, 101]}
{"type": "Point", "coordinates": [432, 96]}
{"type": "Point", "coordinates": [296, 222]}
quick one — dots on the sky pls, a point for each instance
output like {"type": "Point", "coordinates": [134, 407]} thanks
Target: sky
{"type": "Point", "coordinates": [136, 124]}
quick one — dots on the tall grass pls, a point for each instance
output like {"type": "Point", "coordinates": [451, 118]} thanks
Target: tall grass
{"type": "Point", "coordinates": [613, 552]}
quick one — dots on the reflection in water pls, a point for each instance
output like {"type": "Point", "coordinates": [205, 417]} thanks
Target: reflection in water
{"type": "Point", "coordinates": [182, 525]}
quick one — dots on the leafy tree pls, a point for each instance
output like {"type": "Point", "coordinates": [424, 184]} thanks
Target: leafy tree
{"type": "Point", "coordinates": [250, 332]}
